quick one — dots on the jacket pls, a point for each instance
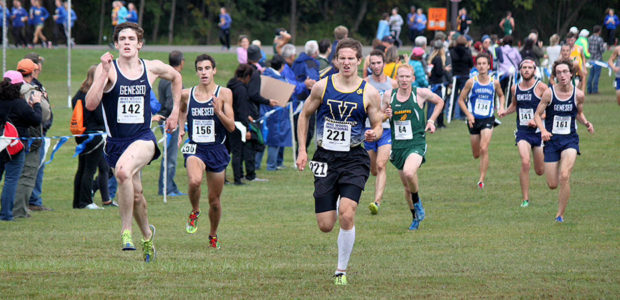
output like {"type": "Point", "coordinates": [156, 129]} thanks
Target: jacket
{"type": "Point", "coordinates": [240, 100]}
{"type": "Point", "coordinates": [462, 61]}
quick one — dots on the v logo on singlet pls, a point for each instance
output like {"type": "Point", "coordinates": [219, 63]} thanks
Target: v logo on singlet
{"type": "Point", "coordinates": [343, 108]}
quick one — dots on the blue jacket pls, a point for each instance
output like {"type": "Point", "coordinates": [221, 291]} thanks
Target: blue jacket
{"type": "Point", "coordinates": [8, 16]}
{"type": "Point", "coordinates": [132, 17]}
{"type": "Point", "coordinates": [38, 15]}
{"type": "Point", "coordinates": [73, 18]}
{"type": "Point", "coordinates": [277, 127]}
{"type": "Point", "coordinates": [300, 87]}
{"type": "Point", "coordinates": [18, 14]}
{"type": "Point", "coordinates": [306, 67]}
{"type": "Point", "coordinates": [61, 12]}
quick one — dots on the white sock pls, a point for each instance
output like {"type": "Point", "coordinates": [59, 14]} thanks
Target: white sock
{"type": "Point", "coordinates": [346, 239]}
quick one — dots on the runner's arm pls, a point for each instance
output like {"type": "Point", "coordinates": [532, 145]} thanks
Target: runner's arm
{"type": "Point", "coordinates": [167, 72]}
{"type": "Point", "coordinates": [513, 105]}
{"type": "Point", "coordinates": [101, 80]}
{"type": "Point", "coordinates": [224, 110]}
{"type": "Point", "coordinates": [428, 95]}
{"type": "Point", "coordinates": [540, 110]}
{"type": "Point", "coordinates": [581, 117]}
{"type": "Point", "coordinates": [183, 113]}
{"type": "Point", "coordinates": [612, 58]}
{"type": "Point", "coordinates": [463, 98]}
{"type": "Point", "coordinates": [500, 94]}
{"type": "Point", "coordinates": [310, 106]}
{"type": "Point", "coordinates": [375, 114]}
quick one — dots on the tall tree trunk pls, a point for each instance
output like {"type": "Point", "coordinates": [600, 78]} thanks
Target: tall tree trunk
{"type": "Point", "coordinates": [293, 28]}
{"type": "Point", "coordinates": [140, 12]}
{"type": "Point", "coordinates": [575, 10]}
{"type": "Point", "coordinates": [360, 16]}
{"type": "Point", "coordinates": [157, 19]}
{"type": "Point", "coordinates": [173, 9]}
{"type": "Point", "coordinates": [102, 14]}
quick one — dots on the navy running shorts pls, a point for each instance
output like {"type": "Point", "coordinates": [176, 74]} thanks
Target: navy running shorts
{"type": "Point", "coordinates": [115, 147]}
{"type": "Point", "coordinates": [215, 157]}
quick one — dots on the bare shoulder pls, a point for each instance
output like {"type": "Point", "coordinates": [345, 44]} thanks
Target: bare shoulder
{"type": "Point", "coordinates": [226, 92]}
{"type": "Point", "coordinates": [547, 94]}
{"type": "Point", "coordinates": [579, 94]}
{"type": "Point", "coordinates": [319, 87]}
{"type": "Point", "coordinates": [425, 93]}
{"type": "Point", "coordinates": [185, 92]}
{"type": "Point", "coordinates": [541, 88]}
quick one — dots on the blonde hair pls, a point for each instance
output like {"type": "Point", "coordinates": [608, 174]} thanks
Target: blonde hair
{"type": "Point", "coordinates": [441, 52]}
{"type": "Point", "coordinates": [90, 76]}
{"type": "Point", "coordinates": [554, 39]}
{"type": "Point", "coordinates": [406, 66]}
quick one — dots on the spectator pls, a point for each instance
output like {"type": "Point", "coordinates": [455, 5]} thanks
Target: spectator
{"type": "Point", "coordinates": [32, 162]}
{"type": "Point", "coordinates": [19, 17]}
{"type": "Point", "coordinates": [611, 23]}
{"type": "Point", "coordinates": [553, 51]}
{"type": "Point", "coordinates": [242, 50]}
{"type": "Point", "coordinates": [411, 23]}
{"type": "Point", "coordinates": [132, 15]}
{"type": "Point", "coordinates": [123, 13]}
{"type": "Point", "coordinates": [421, 80]}
{"type": "Point", "coordinates": [383, 29]}
{"type": "Point", "coordinates": [324, 50]}
{"type": "Point", "coordinates": [306, 67]}
{"type": "Point", "coordinates": [22, 114]}
{"type": "Point", "coordinates": [278, 133]}
{"type": "Point", "coordinates": [396, 24]}
{"type": "Point", "coordinates": [224, 25]}
{"type": "Point", "coordinates": [462, 62]}
{"type": "Point", "coordinates": [392, 62]}
{"type": "Point", "coordinates": [463, 22]}
{"type": "Point", "coordinates": [507, 24]}
{"type": "Point", "coordinates": [263, 56]}
{"type": "Point", "coordinates": [340, 32]}
{"type": "Point", "coordinates": [421, 42]}
{"type": "Point", "coordinates": [240, 152]}
{"type": "Point", "coordinates": [419, 23]}
{"type": "Point", "coordinates": [282, 38]}
{"type": "Point", "coordinates": [36, 202]}
{"type": "Point", "coordinates": [582, 42]}
{"type": "Point", "coordinates": [164, 90]}
{"type": "Point", "coordinates": [507, 69]}
{"type": "Point", "coordinates": [60, 19]}
{"type": "Point", "coordinates": [91, 157]}
{"type": "Point", "coordinates": [538, 45]}
{"type": "Point", "coordinates": [528, 51]}
{"type": "Point", "coordinates": [597, 48]}
{"type": "Point", "coordinates": [438, 77]}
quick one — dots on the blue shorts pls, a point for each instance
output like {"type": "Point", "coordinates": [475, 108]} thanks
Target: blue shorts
{"type": "Point", "coordinates": [385, 139]}
{"type": "Point", "coordinates": [115, 147]}
{"type": "Point", "coordinates": [554, 147]}
{"type": "Point", "coordinates": [215, 157]}
{"type": "Point", "coordinates": [617, 84]}
{"type": "Point", "coordinates": [532, 138]}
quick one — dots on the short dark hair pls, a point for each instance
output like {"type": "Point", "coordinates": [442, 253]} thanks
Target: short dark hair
{"type": "Point", "coordinates": [203, 57]}
{"type": "Point", "coordinates": [9, 91]}
{"type": "Point", "coordinates": [484, 55]}
{"type": "Point", "coordinates": [243, 71]}
{"type": "Point", "coordinates": [507, 40]}
{"type": "Point", "coordinates": [175, 58]}
{"type": "Point", "coordinates": [378, 53]}
{"type": "Point", "coordinates": [562, 61]}
{"type": "Point", "coordinates": [570, 35]}
{"type": "Point", "coordinates": [324, 45]}
{"type": "Point", "coordinates": [352, 44]}
{"type": "Point", "coordinates": [129, 25]}
{"type": "Point", "coordinates": [277, 61]}
{"type": "Point", "coordinates": [596, 29]}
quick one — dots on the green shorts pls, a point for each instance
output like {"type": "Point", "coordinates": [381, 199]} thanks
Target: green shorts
{"type": "Point", "coordinates": [399, 156]}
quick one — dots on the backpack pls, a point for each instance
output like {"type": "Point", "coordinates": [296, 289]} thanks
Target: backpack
{"type": "Point", "coordinates": [77, 119]}
{"type": "Point", "coordinates": [10, 144]}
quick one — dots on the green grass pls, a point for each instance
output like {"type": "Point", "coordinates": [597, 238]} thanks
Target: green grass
{"type": "Point", "coordinates": [472, 244]}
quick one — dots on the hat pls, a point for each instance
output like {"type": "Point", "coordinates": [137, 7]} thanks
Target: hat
{"type": "Point", "coordinates": [437, 44]}
{"type": "Point", "coordinates": [455, 36]}
{"type": "Point", "coordinates": [584, 33]}
{"type": "Point", "coordinates": [26, 66]}
{"type": "Point", "coordinates": [388, 39]}
{"type": "Point", "coordinates": [440, 35]}
{"type": "Point", "coordinates": [485, 37]}
{"type": "Point", "coordinates": [573, 30]}
{"type": "Point", "coordinates": [278, 30]}
{"type": "Point", "coordinates": [15, 77]}
{"type": "Point", "coordinates": [254, 53]}
{"type": "Point", "coordinates": [417, 51]}
{"type": "Point", "coordinates": [36, 58]}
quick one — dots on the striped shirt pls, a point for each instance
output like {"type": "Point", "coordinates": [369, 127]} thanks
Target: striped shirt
{"type": "Point", "coordinates": [596, 47]}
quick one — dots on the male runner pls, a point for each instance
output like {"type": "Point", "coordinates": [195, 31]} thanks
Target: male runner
{"type": "Point", "coordinates": [565, 52]}
{"type": "Point", "coordinates": [340, 165]}
{"type": "Point", "coordinates": [124, 86]}
{"type": "Point", "coordinates": [208, 110]}
{"type": "Point", "coordinates": [562, 105]}
{"type": "Point", "coordinates": [528, 93]}
{"type": "Point", "coordinates": [479, 111]}
{"type": "Point", "coordinates": [407, 117]}
{"type": "Point", "coordinates": [614, 64]}
{"type": "Point", "coordinates": [379, 151]}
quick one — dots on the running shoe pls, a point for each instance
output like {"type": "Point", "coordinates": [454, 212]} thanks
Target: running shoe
{"type": "Point", "coordinates": [214, 242]}
{"type": "Point", "coordinates": [148, 249]}
{"type": "Point", "coordinates": [373, 207]}
{"type": "Point", "coordinates": [525, 203]}
{"type": "Point", "coordinates": [414, 225]}
{"type": "Point", "coordinates": [127, 243]}
{"type": "Point", "coordinates": [419, 211]}
{"type": "Point", "coordinates": [559, 219]}
{"type": "Point", "coordinates": [340, 279]}
{"type": "Point", "coordinates": [110, 204]}
{"type": "Point", "coordinates": [481, 185]}
{"type": "Point", "coordinates": [192, 222]}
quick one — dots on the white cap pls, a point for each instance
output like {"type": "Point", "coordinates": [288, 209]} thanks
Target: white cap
{"type": "Point", "coordinates": [573, 30]}
{"type": "Point", "coordinates": [584, 33]}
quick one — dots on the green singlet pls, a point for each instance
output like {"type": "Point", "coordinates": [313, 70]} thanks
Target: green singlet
{"type": "Point", "coordinates": [408, 123]}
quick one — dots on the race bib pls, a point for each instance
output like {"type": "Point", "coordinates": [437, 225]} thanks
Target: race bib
{"type": "Point", "coordinates": [561, 124]}
{"type": "Point", "coordinates": [336, 136]}
{"type": "Point", "coordinates": [319, 169]}
{"type": "Point", "coordinates": [189, 148]}
{"type": "Point", "coordinates": [403, 130]}
{"type": "Point", "coordinates": [203, 131]}
{"type": "Point", "coordinates": [483, 107]}
{"type": "Point", "coordinates": [525, 116]}
{"type": "Point", "coordinates": [130, 110]}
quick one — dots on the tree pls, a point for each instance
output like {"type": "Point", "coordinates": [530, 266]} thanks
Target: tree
{"type": "Point", "coordinates": [173, 9]}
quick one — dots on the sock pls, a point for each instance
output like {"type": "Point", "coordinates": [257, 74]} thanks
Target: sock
{"type": "Point", "coordinates": [413, 213]}
{"type": "Point", "coordinates": [346, 239]}
{"type": "Point", "coordinates": [415, 198]}
{"type": "Point", "coordinates": [377, 204]}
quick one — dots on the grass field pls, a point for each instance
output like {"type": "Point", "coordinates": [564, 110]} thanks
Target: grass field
{"type": "Point", "coordinates": [472, 244]}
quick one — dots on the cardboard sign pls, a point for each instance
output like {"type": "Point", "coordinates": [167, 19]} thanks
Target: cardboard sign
{"type": "Point", "coordinates": [437, 18]}
{"type": "Point", "coordinates": [272, 88]}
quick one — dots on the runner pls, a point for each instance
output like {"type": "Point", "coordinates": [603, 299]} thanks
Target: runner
{"type": "Point", "coordinates": [124, 85]}
{"type": "Point", "coordinates": [208, 110]}
{"type": "Point", "coordinates": [479, 111]}
{"type": "Point", "coordinates": [340, 165]}
{"type": "Point", "coordinates": [527, 94]}
{"type": "Point", "coordinates": [407, 117]}
{"type": "Point", "coordinates": [563, 107]}
{"type": "Point", "coordinates": [614, 64]}
{"type": "Point", "coordinates": [379, 151]}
